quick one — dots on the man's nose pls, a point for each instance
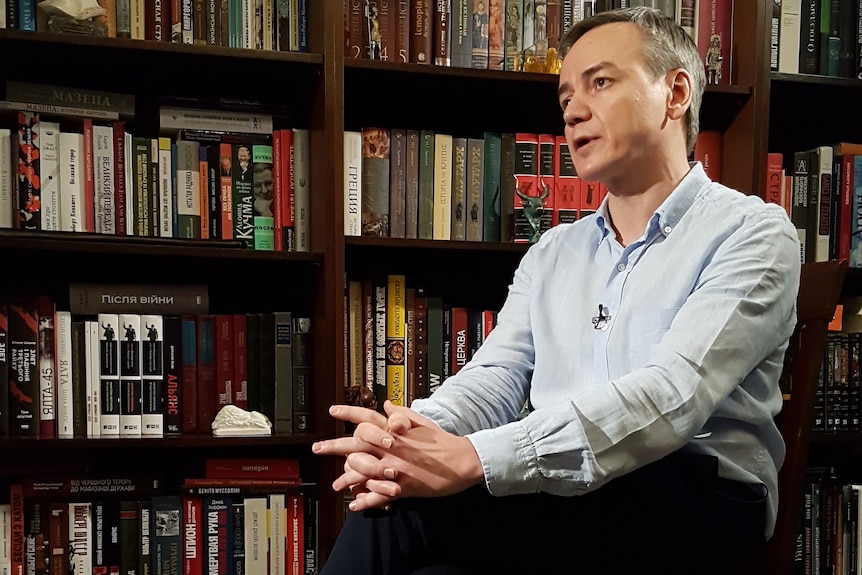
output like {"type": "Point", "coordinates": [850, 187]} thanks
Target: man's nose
{"type": "Point", "coordinates": [576, 111]}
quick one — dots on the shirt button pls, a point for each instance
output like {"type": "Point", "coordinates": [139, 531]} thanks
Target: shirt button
{"type": "Point", "coordinates": [621, 267]}
{"type": "Point", "coordinates": [668, 229]}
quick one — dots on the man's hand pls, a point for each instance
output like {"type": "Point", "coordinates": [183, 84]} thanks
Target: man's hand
{"type": "Point", "coordinates": [407, 456]}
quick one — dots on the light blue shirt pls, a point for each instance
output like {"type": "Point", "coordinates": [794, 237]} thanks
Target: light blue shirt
{"type": "Point", "coordinates": [701, 309]}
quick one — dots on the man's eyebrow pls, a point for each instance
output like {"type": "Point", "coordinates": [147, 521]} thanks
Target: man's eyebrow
{"type": "Point", "coordinates": [586, 74]}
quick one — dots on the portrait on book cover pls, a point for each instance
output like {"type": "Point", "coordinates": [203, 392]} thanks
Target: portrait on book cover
{"type": "Point", "coordinates": [167, 522]}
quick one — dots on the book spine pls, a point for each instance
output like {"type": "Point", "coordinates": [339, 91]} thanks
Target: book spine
{"type": "Point", "coordinates": [496, 32]}
{"type": "Point", "coordinates": [29, 189]}
{"type": "Point", "coordinates": [546, 183]}
{"type": "Point", "coordinates": [255, 534]}
{"type": "Point", "coordinates": [189, 386]}
{"type": "Point", "coordinates": [288, 216]}
{"type": "Point", "coordinates": [283, 422]}
{"type": "Point", "coordinates": [459, 189]}
{"type": "Point", "coordinates": [240, 351]}
{"type": "Point", "coordinates": [243, 194]}
{"type": "Point", "coordinates": [375, 182]}
{"type": "Point", "coordinates": [302, 188]}
{"type": "Point", "coordinates": [421, 27]}
{"type": "Point", "coordinates": [396, 339]}
{"type": "Point", "coordinates": [167, 539]}
{"type": "Point", "coordinates": [507, 187]}
{"type": "Point", "coordinates": [224, 356]}
{"type": "Point", "coordinates": [491, 187]}
{"type": "Point", "coordinates": [93, 381]}
{"type": "Point", "coordinates": [420, 304]}
{"type": "Point", "coordinates": [527, 222]}
{"type": "Point", "coordinates": [7, 200]}
{"type": "Point", "coordinates": [4, 370]}
{"type": "Point", "coordinates": [441, 43]}
{"type": "Point", "coordinates": [379, 288]}
{"type": "Point", "coordinates": [188, 189]}
{"type": "Point", "coordinates": [49, 174]}
{"type": "Point", "coordinates": [80, 533]}
{"type": "Point", "coordinates": [475, 183]}
{"type": "Point", "coordinates": [435, 342]}
{"type": "Point", "coordinates": [251, 468]}
{"type": "Point", "coordinates": [397, 182]}
{"type": "Point", "coordinates": [130, 376]}
{"type": "Point", "coordinates": [262, 184]}
{"type": "Point", "coordinates": [121, 209]}
{"type": "Point", "coordinates": [71, 146]}
{"type": "Point", "coordinates": [166, 191]}
{"type": "Point", "coordinates": [714, 28]}
{"type": "Point", "coordinates": [109, 375]}
{"type": "Point", "coordinates": [568, 186]}
{"type": "Point", "coordinates": [207, 389]}
{"type": "Point", "coordinates": [442, 210]}
{"type": "Point", "coordinates": [303, 374]}
{"type": "Point", "coordinates": [411, 194]}
{"type": "Point", "coordinates": [46, 333]}
{"type": "Point", "coordinates": [352, 183]}
{"type": "Point", "coordinates": [194, 531]}
{"type": "Point", "coordinates": [103, 173]}
{"type": "Point", "coordinates": [23, 362]}
{"type": "Point", "coordinates": [425, 230]}
{"type": "Point", "coordinates": [153, 376]}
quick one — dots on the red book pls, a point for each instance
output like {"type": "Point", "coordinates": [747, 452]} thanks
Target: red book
{"type": "Point", "coordinates": [89, 210]}
{"type": "Point", "coordinates": [714, 28]}
{"type": "Point", "coordinates": [16, 521]}
{"type": "Point", "coordinates": [527, 184]}
{"type": "Point", "coordinates": [707, 151]}
{"type": "Point", "coordinates": [843, 154]}
{"type": "Point", "coordinates": [547, 179]}
{"type": "Point", "coordinates": [224, 356]}
{"type": "Point", "coordinates": [774, 171]}
{"type": "Point", "coordinates": [121, 210]}
{"type": "Point", "coordinates": [252, 468]}
{"type": "Point", "coordinates": [288, 209]}
{"type": "Point", "coordinates": [203, 487]}
{"type": "Point", "coordinates": [591, 198]}
{"type": "Point", "coordinates": [278, 159]}
{"type": "Point", "coordinates": [240, 360]}
{"type": "Point", "coordinates": [567, 186]}
{"type": "Point", "coordinates": [194, 535]}
{"type": "Point", "coordinates": [459, 346]}
{"type": "Point", "coordinates": [189, 371]}
{"type": "Point", "coordinates": [295, 534]}
{"type": "Point", "coordinates": [207, 381]}
{"type": "Point", "coordinates": [226, 182]}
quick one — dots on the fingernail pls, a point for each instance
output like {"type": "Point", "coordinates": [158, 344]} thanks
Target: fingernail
{"type": "Point", "coordinates": [387, 442]}
{"type": "Point", "coordinates": [389, 473]}
{"type": "Point", "coordinates": [315, 447]}
{"type": "Point", "coordinates": [352, 506]}
{"type": "Point", "coordinates": [334, 409]}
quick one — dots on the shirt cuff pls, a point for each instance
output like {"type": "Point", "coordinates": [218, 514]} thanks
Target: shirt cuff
{"type": "Point", "coordinates": [505, 473]}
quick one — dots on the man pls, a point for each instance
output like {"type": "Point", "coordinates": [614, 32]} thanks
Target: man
{"type": "Point", "coordinates": [648, 339]}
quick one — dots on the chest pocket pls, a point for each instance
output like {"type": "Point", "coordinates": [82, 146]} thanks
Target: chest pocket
{"type": "Point", "coordinates": [646, 332]}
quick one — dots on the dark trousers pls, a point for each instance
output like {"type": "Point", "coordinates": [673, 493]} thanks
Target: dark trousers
{"type": "Point", "coordinates": [673, 516]}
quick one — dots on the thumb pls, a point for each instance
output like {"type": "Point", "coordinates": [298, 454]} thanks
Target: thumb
{"type": "Point", "coordinates": [402, 419]}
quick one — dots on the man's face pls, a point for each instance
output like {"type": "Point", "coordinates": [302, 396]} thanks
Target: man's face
{"type": "Point", "coordinates": [263, 184]}
{"type": "Point", "coordinates": [614, 110]}
{"type": "Point", "coordinates": [243, 155]}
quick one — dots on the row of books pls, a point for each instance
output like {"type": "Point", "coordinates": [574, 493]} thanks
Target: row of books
{"type": "Point", "coordinates": [134, 524]}
{"type": "Point", "coordinates": [403, 343]}
{"type": "Point", "coordinates": [131, 375]}
{"type": "Point", "coordinates": [60, 173]}
{"type": "Point", "coordinates": [821, 188]}
{"type": "Point", "coordinates": [837, 403]}
{"type": "Point", "coordinates": [829, 539]}
{"type": "Point", "coordinates": [406, 183]}
{"type": "Point", "coordinates": [512, 34]}
{"type": "Point", "coordinates": [814, 37]}
{"type": "Point", "coordinates": [253, 24]}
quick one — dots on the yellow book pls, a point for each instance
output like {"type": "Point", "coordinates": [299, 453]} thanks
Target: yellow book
{"type": "Point", "coordinates": [442, 226]}
{"type": "Point", "coordinates": [396, 339]}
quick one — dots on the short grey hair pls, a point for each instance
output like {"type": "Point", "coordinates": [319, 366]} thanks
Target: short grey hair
{"type": "Point", "coordinates": [667, 47]}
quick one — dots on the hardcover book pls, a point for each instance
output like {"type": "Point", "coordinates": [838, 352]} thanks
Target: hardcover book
{"type": "Point", "coordinates": [130, 375]}
{"type": "Point", "coordinates": [283, 366]}
{"type": "Point", "coordinates": [458, 227]}
{"type": "Point", "coordinates": [375, 181]}
{"type": "Point", "coordinates": [303, 374]}
{"type": "Point", "coordinates": [4, 370]}
{"type": "Point", "coordinates": [23, 371]}
{"type": "Point", "coordinates": [152, 375]}
{"type": "Point", "coordinates": [46, 311]}
{"type": "Point", "coordinates": [352, 183]}
{"type": "Point", "coordinates": [165, 299]}
{"type": "Point", "coordinates": [396, 339]}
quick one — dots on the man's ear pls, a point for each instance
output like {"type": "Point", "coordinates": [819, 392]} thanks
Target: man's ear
{"type": "Point", "coordinates": [679, 97]}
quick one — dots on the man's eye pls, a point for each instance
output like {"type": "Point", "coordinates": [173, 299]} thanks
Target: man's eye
{"type": "Point", "coordinates": [601, 82]}
{"type": "Point", "coordinates": [564, 103]}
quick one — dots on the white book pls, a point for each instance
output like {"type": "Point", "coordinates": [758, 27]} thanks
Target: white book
{"type": "Point", "coordinates": [7, 201]}
{"type": "Point", "coordinates": [46, 311]}
{"type": "Point", "coordinates": [352, 183]}
{"type": "Point", "coordinates": [188, 189]}
{"type": "Point", "coordinates": [221, 120]}
{"type": "Point", "coordinates": [442, 229]}
{"type": "Point", "coordinates": [65, 397]}
{"type": "Point", "coordinates": [302, 188]}
{"type": "Point", "coordinates": [91, 339]}
{"type": "Point", "coordinates": [80, 537]}
{"type": "Point", "coordinates": [277, 529]}
{"type": "Point", "coordinates": [824, 205]}
{"type": "Point", "coordinates": [788, 36]}
{"type": "Point", "coordinates": [6, 534]}
{"type": "Point", "coordinates": [49, 174]}
{"type": "Point", "coordinates": [166, 189]}
{"type": "Point", "coordinates": [71, 182]}
{"type": "Point", "coordinates": [130, 374]}
{"type": "Point", "coordinates": [103, 176]}
{"type": "Point", "coordinates": [152, 375]}
{"type": "Point", "coordinates": [255, 540]}
{"type": "Point", "coordinates": [108, 406]}
{"type": "Point", "coordinates": [129, 156]}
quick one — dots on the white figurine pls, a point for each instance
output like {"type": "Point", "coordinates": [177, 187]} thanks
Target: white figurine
{"type": "Point", "coordinates": [233, 421]}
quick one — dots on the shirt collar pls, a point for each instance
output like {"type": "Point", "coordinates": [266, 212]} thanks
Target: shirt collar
{"type": "Point", "coordinates": [670, 212]}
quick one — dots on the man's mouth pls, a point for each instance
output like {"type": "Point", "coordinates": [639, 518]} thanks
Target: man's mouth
{"type": "Point", "coordinates": [582, 141]}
